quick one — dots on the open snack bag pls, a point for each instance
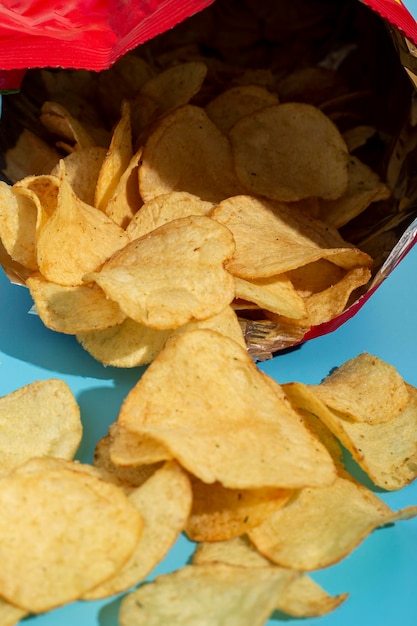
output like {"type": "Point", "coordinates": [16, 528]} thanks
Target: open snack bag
{"type": "Point", "coordinates": [242, 164]}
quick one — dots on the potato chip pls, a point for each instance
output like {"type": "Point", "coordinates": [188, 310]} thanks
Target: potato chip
{"type": "Point", "coordinates": [276, 294]}
{"type": "Point", "coordinates": [247, 444]}
{"type": "Point", "coordinates": [92, 529]}
{"type": "Point", "coordinates": [76, 239]}
{"type": "Point", "coordinates": [71, 310]}
{"type": "Point", "coordinates": [117, 159]}
{"type": "Point", "coordinates": [166, 208]}
{"type": "Point", "coordinates": [173, 275]}
{"type": "Point", "coordinates": [71, 133]}
{"type": "Point", "coordinates": [219, 513]}
{"type": "Point", "coordinates": [127, 344]}
{"type": "Point", "coordinates": [30, 155]}
{"type": "Point", "coordinates": [206, 594]}
{"type": "Point", "coordinates": [164, 502]}
{"type": "Point", "coordinates": [226, 323]}
{"type": "Point", "coordinates": [236, 102]}
{"type": "Point", "coordinates": [312, 84]}
{"type": "Point", "coordinates": [289, 152]}
{"type": "Point", "coordinates": [364, 187]}
{"type": "Point", "coordinates": [303, 597]}
{"type": "Point", "coordinates": [39, 419]}
{"type": "Point", "coordinates": [328, 304]}
{"type": "Point", "coordinates": [187, 152]}
{"type": "Point", "coordinates": [125, 201]}
{"type": "Point", "coordinates": [320, 526]}
{"type": "Point", "coordinates": [389, 460]}
{"type": "Point", "coordinates": [128, 478]}
{"type": "Point", "coordinates": [365, 389]}
{"type": "Point", "coordinates": [176, 85]}
{"type": "Point", "coordinates": [289, 241]}
{"type": "Point", "coordinates": [19, 210]}
{"type": "Point", "coordinates": [46, 189]}
{"type": "Point", "coordinates": [81, 170]}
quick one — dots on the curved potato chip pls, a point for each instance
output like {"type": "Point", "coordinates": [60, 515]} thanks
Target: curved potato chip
{"type": "Point", "coordinates": [116, 161]}
{"type": "Point", "coordinates": [364, 187]}
{"type": "Point", "coordinates": [128, 478]}
{"type": "Point", "coordinates": [175, 86]}
{"type": "Point", "coordinates": [289, 152]}
{"type": "Point", "coordinates": [226, 323]}
{"type": "Point", "coordinates": [19, 209]}
{"type": "Point", "coordinates": [71, 310]}
{"type": "Point", "coordinates": [81, 170]}
{"type": "Point", "coordinates": [92, 529]}
{"type": "Point", "coordinates": [187, 152]}
{"type": "Point", "coordinates": [219, 513]}
{"type": "Point", "coordinates": [389, 461]}
{"type": "Point", "coordinates": [276, 294]}
{"type": "Point", "coordinates": [246, 444]}
{"type": "Point", "coordinates": [206, 594]}
{"type": "Point", "coordinates": [29, 156]}
{"type": "Point", "coordinates": [125, 201]}
{"type": "Point", "coordinates": [289, 240]}
{"type": "Point", "coordinates": [46, 189]}
{"type": "Point", "coordinates": [365, 389]}
{"type": "Point", "coordinates": [320, 526]}
{"type": "Point", "coordinates": [40, 419]}
{"type": "Point", "coordinates": [173, 275]}
{"type": "Point", "coordinates": [76, 239]}
{"type": "Point", "coordinates": [166, 208]}
{"type": "Point", "coordinates": [164, 502]}
{"type": "Point", "coordinates": [303, 597]}
{"type": "Point", "coordinates": [236, 102]}
{"type": "Point", "coordinates": [128, 344]}
{"type": "Point", "coordinates": [59, 121]}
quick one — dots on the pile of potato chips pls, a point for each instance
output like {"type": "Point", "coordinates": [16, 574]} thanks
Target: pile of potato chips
{"type": "Point", "coordinates": [253, 472]}
{"type": "Point", "coordinates": [204, 179]}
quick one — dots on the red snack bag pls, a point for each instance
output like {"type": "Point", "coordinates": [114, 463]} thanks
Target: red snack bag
{"type": "Point", "coordinates": [85, 34]}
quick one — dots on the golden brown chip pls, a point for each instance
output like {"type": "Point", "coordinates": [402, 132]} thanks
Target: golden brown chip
{"type": "Point", "coordinates": [364, 187]}
{"type": "Point", "coordinates": [19, 209]}
{"type": "Point", "coordinates": [303, 597]}
{"type": "Point", "coordinates": [326, 305]}
{"type": "Point", "coordinates": [206, 594]}
{"type": "Point", "coordinates": [117, 160]}
{"type": "Point", "coordinates": [128, 478]}
{"type": "Point", "coordinates": [30, 156]}
{"type": "Point", "coordinates": [219, 513]}
{"type": "Point", "coordinates": [320, 526]}
{"type": "Point", "coordinates": [236, 102]}
{"type": "Point", "coordinates": [164, 502]}
{"type": "Point", "coordinates": [173, 275]}
{"type": "Point", "coordinates": [187, 152]}
{"type": "Point", "coordinates": [365, 389]}
{"type": "Point", "coordinates": [71, 310]}
{"type": "Point", "coordinates": [127, 344]}
{"type": "Point", "coordinates": [92, 529]}
{"type": "Point", "coordinates": [228, 422]}
{"type": "Point", "coordinates": [71, 133]}
{"type": "Point", "coordinates": [39, 419]}
{"type": "Point", "coordinates": [175, 86]}
{"type": "Point", "coordinates": [81, 169]}
{"type": "Point", "coordinates": [276, 294]}
{"type": "Point", "coordinates": [76, 239]}
{"type": "Point", "coordinates": [125, 201]}
{"type": "Point", "coordinates": [289, 152]}
{"type": "Point", "coordinates": [289, 240]}
{"type": "Point", "coordinates": [388, 459]}
{"type": "Point", "coordinates": [166, 208]}
{"type": "Point", "coordinates": [226, 323]}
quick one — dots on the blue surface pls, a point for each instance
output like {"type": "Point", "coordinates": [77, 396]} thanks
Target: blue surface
{"type": "Point", "coordinates": [381, 574]}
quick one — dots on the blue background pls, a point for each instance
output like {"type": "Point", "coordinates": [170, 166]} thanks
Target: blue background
{"type": "Point", "coordinates": [381, 574]}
